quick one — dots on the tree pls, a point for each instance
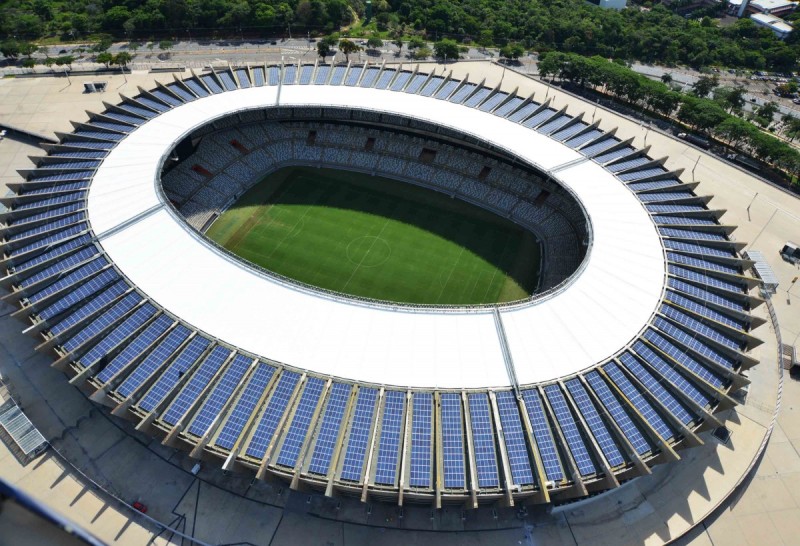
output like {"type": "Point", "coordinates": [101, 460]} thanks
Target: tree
{"type": "Point", "coordinates": [512, 51]}
{"type": "Point", "coordinates": [164, 45]}
{"type": "Point", "coordinates": [399, 43]}
{"type": "Point", "coordinates": [415, 43]}
{"type": "Point", "coordinates": [323, 49]}
{"type": "Point", "coordinates": [792, 125]}
{"type": "Point", "coordinates": [704, 85]}
{"type": "Point", "coordinates": [374, 42]}
{"type": "Point", "coordinates": [28, 63]}
{"type": "Point", "coordinates": [767, 110]}
{"type": "Point", "coordinates": [347, 47]}
{"type": "Point", "coordinates": [105, 58]}
{"type": "Point", "coordinates": [133, 46]}
{"type": "Point", "coordinates": [27, 49]}
{"type": "Point", "coordinates": [446, 49]}
{"type": "Point", "coordinates": [422, 53]}
{"type": "Point", "coordinates": [122, 59]}
{"type": "Point", "coordinates": [666, 78]}
{"type": "Point", "coordinates": [10, 49]}
{"type": "Point", "coordinates": [732, 98]}
{"type": "Point", "coordinates": [65, 60]}
{"type": "Point", "coordinates": [702, 114]}
{"type": "Point", "coordinates": [104, 42]}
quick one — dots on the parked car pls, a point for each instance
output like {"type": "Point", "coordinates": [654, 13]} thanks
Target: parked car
{"type": "Point", "coordinates": [140, 507]}
{"type": "Point", "coordinates": [696, 140]}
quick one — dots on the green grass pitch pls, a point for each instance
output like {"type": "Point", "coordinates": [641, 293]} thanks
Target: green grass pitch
{"type": "Point", "coordinates": [374, 237]}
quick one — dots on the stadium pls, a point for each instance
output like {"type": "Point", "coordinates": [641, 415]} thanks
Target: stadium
{"type": "Point", "coordinates": [632, 335]}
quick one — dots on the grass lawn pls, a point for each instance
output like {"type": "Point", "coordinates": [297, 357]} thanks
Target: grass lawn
{"type": "Point", "coordinates": [374, 237]}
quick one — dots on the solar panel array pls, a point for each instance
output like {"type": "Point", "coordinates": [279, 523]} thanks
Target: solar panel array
{"type": "Point", "coordinates": [647, 397]}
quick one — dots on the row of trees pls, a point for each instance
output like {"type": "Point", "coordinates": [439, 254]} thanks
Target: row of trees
{"type": "Point", "coordinates": [651, 35]}
{"type": "Point", "coordinates": [711, 116]}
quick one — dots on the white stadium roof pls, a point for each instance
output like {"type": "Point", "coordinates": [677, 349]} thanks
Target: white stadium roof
{"type": "Point", "coordinates": [595, 315]}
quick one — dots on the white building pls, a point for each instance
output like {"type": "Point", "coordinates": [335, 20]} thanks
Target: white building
{"type": "Point", "coordinates": [609, 4]}
{"type": "Point", "coordinates": [781, 28]}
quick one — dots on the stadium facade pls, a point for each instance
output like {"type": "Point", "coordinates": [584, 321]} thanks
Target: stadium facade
{"type": "Point", "coordinates": [636, 341]}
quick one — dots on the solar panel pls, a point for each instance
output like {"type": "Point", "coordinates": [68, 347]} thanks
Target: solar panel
{"type": "Point", "coordinates": [416, 83]}
{"type": "Point", "coordinates": [691, 234]}
{"type": "Point", "coordinates": [514, 437]}
{"type": "Point", "coordinates": [400, 81]}
{"type": "Point", "coordinates": [321, 77]}
{"type": "Point", "coordinates": [483, 440]}
{"type": "Point", "coordinates": [220, 395]}
{"type": "Point", "coordinates": [459, 96]}
{"type": "Point", "coordinates": [697, 248]}
{"type": "Point", "coordinates": [452, 441]}
{"type": "Point", "coordinates": [698, 327]}
{"type": "Point", "coordinates": [338, 75]}
{"type": "Point", "coordinates": [60, 250]}
{"type": "Point", "coordinates": [353, 75]}
{"type": "Point", "coordinates": [136, 347]}
{"type": "Point", "coordinates": [508, 107]}
{"type": "Point", "coordinates": [258, 76]}
{"type": "Point", "coordinates": [706, 295]}
{"type": "Point", "coordinates": [163, 351]}
{"type": "Point", "coordinates": [432, 85]}
{"type": "Point", "coordinates": [575, 442]}
{"type": "Point", "coordinates": [595, 423]}
{"type": "Point", "coordinates": [652, 384]}
{"type": "Point", "coordinates": [245, 405]}
{"type": "Point", "coordinates": [421, 439]}
{"type": "Point", "coordinates": [181, 92]}
{"type": "Point", "coordinates": [58, 267]}
{"type": "Point", "coordinates": [227, 80]}
{"type": "Point", "coordinates": [100, 323]}
{"type": "Point", "coordinates": [167, 381]}
{"type": "Point", "coordinates": [702, 310]}
{"type": "Point", "coordinates": [669, 373]}
{"type": "Point", "coordinates": [305, 74]}
{"type": "Point", "coordinates": [74, 276]}
{"type": "Point", "coordinates": [329, 429]}
{"type": "Point", "coordinates": [618, 413]}
{"type": "Point", "coordinates": [117, 335]}
{"type": "Point", "coordinates": [580, 140]}
{"type": "Point", "coordinates": [644, 173]}
{"type": "Point", "coordinates": [359, 435]}
{"type": "Point", "coordinates": [166, 97]}
{"type": "Point", "coordinates": [389, 444]}
{"type": "Point", "coordinates": [100, 301]}
{"type": "Point", "coordinates": [289, 73]}
{"type": "Point", "coordinates": [596, 150]}
{"type": "Point", "coordinates": [272, 414]}
{"type": "Point", "coordinates": [683, 358]}
{"type": "Point", "coordinates": [701, 263]}
{"type": "Point", "coordinates": [200, 379]}
{"type": "Point", "coordinates": [638, 401]}
{"type": "Point", "coordinates": [446, 89]}
{"type": "Point", "coordinates": [296, 435]}
{"type": "Point", "coordinates": [700, 278]}
{"type": "Point", "coordinates": [690, 341]}
{"type": "Point", "coordinates": [542, 434]}
{"type": "Point", "coordinates": [44, 228]}
{"type": "Point", "coordinates": [211, 83]}
{"type": "Point", "coordinates": [50, 213]}
{"type": "Point", "coordinates": [491, 103]}
{"type": "Point", "coordinates": [49, 240]}
{"type": "Point", "coordinates": [195, 86]}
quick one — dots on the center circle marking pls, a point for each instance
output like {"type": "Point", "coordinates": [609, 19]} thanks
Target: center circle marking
{"type": "Point", "coordinates": [368, 251]}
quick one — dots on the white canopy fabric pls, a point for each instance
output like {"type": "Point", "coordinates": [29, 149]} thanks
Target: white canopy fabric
{"type": "Point", "coordinates": [591, 319]}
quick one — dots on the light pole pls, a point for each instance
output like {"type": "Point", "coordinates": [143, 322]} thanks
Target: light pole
{"type": "Point", "coordinates": [749, 205]}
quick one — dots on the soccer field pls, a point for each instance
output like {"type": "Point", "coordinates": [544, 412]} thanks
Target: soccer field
{"type": "Point", "coordinates": [378, 238]}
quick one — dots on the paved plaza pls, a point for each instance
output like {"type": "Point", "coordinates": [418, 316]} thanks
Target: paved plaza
{"type": "Point", "coordinates": [728, 494]}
